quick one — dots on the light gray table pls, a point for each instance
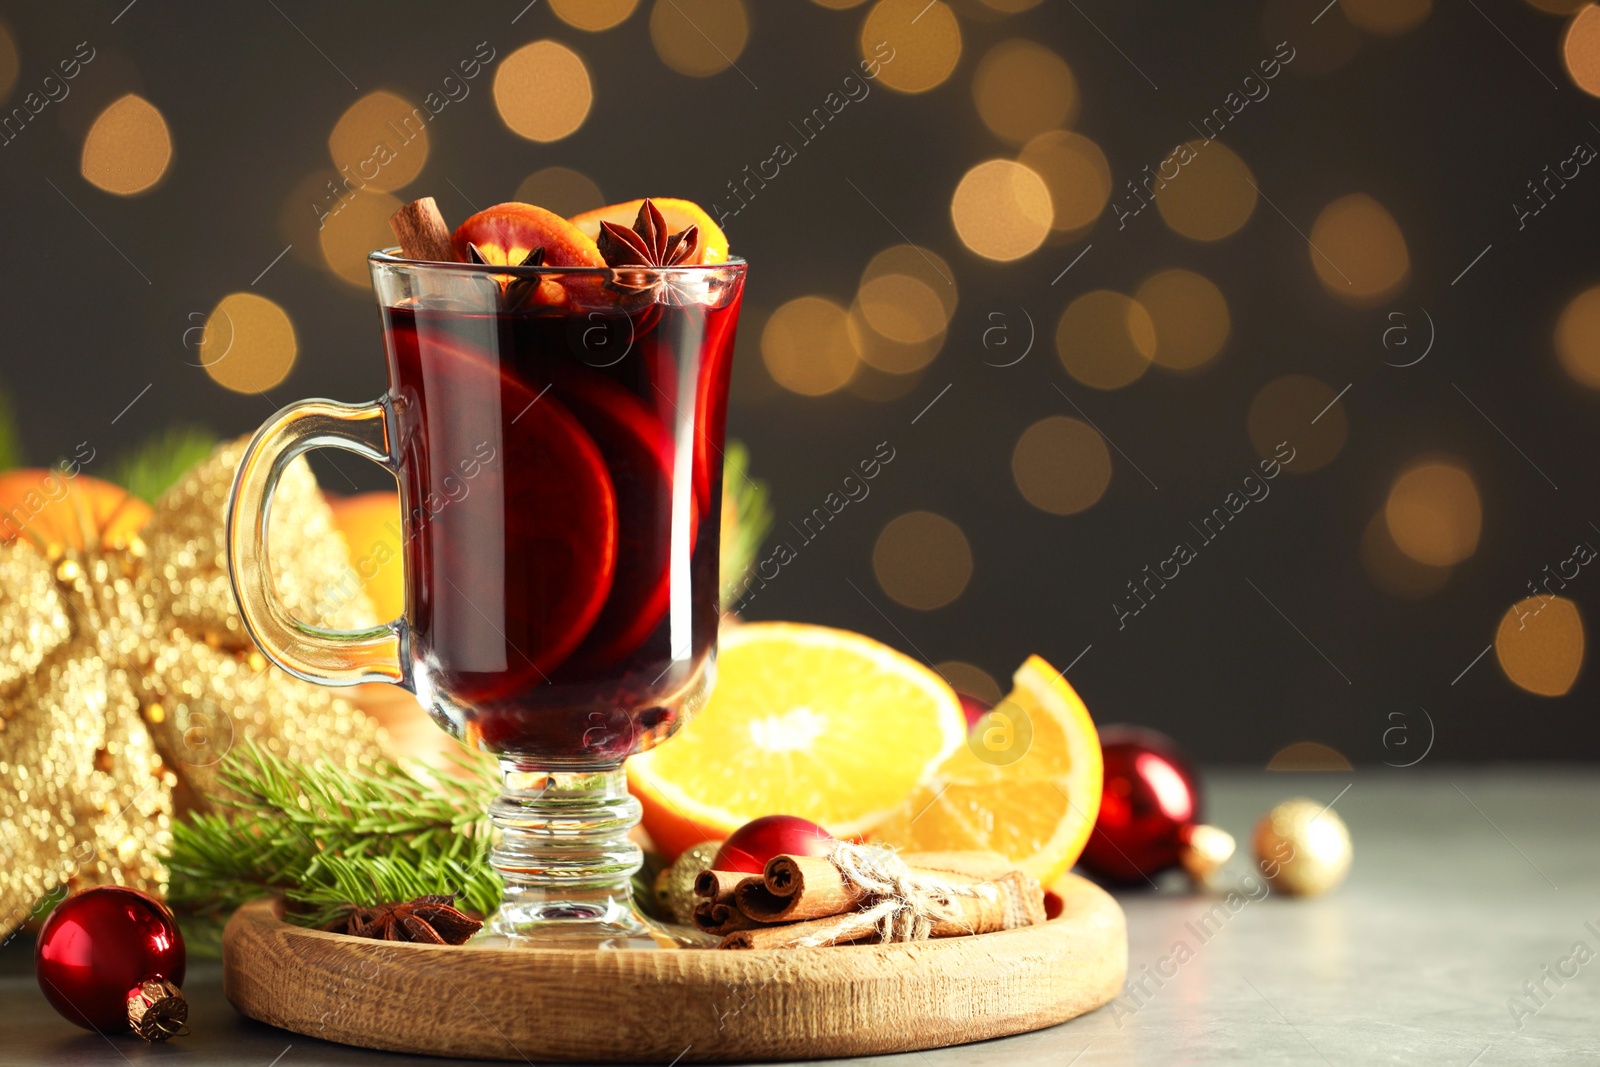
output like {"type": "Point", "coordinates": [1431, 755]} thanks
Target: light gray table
{"type": "Point", "coordinates": [1467, 884]}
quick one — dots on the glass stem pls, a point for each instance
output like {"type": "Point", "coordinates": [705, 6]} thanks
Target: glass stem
{"type": "Point", "coordinates": [564, 850]}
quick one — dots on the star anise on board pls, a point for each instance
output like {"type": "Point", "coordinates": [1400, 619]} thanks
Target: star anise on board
{"type": "Point", "coordinates": [647, 245]}
{"type": "Point", "coordinates": [428, 920]}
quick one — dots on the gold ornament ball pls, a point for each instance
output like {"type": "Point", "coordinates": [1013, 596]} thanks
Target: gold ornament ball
{"type": "Point", "coordinates": [675, 885]}
{"type": "Point", "coordinates": [1302, 848]}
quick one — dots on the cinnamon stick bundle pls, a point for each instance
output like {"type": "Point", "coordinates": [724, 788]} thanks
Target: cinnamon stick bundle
{"type": "Point", "coordinates": [719, 919]}
{"type": "Point", "coordinates": [984, 912]}
{"type": "Point", "coordinates": [797, 888]}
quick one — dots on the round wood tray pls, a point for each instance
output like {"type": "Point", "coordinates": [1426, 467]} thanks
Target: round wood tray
{"type": "Point", "coordinates": [641, 1006]}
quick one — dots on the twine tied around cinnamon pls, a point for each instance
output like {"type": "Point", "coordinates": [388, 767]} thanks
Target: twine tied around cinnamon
{"type": "Point", "coordinates": [904, 904]}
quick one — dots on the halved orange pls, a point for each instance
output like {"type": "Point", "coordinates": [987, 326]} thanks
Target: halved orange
{"type": "Point", "coordinates": [804, 720]}
{"type": "Point", "coordinates": [1026, 785]}
{"type": "Point", "coordinates": [680, 215]}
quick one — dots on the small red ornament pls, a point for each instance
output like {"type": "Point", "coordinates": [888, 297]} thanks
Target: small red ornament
{"type": "Point", "coordinates": [110, 959]}
{"type": "Point", "coordinates": [973, 708]}
{"type": "Point", "coordinates": [749, 848]}
{"type": "Point", "coordinates": [1150, 812]}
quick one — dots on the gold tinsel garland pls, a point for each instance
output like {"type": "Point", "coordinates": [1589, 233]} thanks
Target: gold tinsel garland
{"type": "Point", "coordinates": [126, 674]}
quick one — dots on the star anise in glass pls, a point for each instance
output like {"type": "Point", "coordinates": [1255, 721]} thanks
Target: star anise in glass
{"type": "Point", "coordinates": [514, 291]}
{"type": "Point", "coordinates": [646, 246]}
{"type": "Point", "coordinates": [428, 920]}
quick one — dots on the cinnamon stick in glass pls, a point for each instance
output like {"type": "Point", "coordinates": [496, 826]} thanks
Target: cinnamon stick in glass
{"type": "Point", "coordinates": [422, 232]}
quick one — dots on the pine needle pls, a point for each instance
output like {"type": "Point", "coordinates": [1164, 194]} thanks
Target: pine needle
{"type": "Point", "coordinates": [752, 519]}
{"type": "Point", "coordinates": [157, 464]}
{"type": "Point", "coordinates": [328, 838]}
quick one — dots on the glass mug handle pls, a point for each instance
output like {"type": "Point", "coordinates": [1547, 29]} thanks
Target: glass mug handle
{"type": "Point", "coordinates": [327, 657]}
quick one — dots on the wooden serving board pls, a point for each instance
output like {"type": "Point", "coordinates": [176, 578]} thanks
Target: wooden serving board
{"type": "Point", "coordinates": [643, 1006]}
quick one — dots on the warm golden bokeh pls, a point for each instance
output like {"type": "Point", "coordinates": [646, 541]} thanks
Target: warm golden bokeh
{"type": "Point", "coordinates": [1386, 17]}
{"type": "Point", "coordinates": [923, 38]}
{"type": "Point", "coordinates": [561, 189]}
{"type": "Point", "coordinates": [902, 308]}
{"type": "Point", "coordinates": [699, 37]}
{"type": "Point", "coordinates": [593, 15]}
{"type": "Point", "coordinates": [1559, 7]}
{"type": "Point", "coordinates": [889, 357]}
{"type": "Point", "coordinates": [970, 680]}
{"type": "Point", "coordinates": [1540, 645]}
{"type": "Point", "coordinates": [880, 386]}
{"type": "Point", "coordinates": [1211, 195]}
{"type": "Point", "coordinates": [1002, 210]}
{"type": "Point", "coordinates": [355, 227]}
{"type": "Point", "coordinates": [1578, 337]}
{"type": "Point", "coordinates": [249, 344]}
{"type": "Point", "coordinates": [1061, 465]}
{"type": "Point", "coordinates": [1394, 572]}
{"type": "Point", "coordinates": [1282, 412]}
{"type": "Point", "coordinates": [1332, 43]}
{"type": "Point", "coordinates": [1358, 251]}
{"type": "Point", "coordinates": [924, 264]}
{"type": "Point", "coordinates": [542, 91]}
{"type": "Point", "coordinates": [807, 348]}
{"type": "Point", "coordinates": [838, 5]}
{"type": "Point", "coordinates": [922, 560]}
{"type": "Point", "coordinates": [1105, 339]}
{"type": "Point", "coordinates": [1190, 317]}
{"type": "Point", "coordinates": [1076, 173]}
{"type": "Point", "coordinates": [1309, 756]}
{"type": "Point", "coordinates": [1434, 513]}
{"type": "Point", "coordinates": [1023, 89]}
{"type": "Point", "coordinates": [1580, 49]}
{"type": "Point", "coordinates": [380, 142]}
{"type": "Point", "coordinates": [128, 148]}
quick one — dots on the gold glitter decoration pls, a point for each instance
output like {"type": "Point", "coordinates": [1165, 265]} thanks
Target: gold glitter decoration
{"type": "Point", "coordinates": [675, 885]}
{"type": "Point", "coordinates": [1303, 847]}
{"type": "Point", "coordinates": [126, 675]}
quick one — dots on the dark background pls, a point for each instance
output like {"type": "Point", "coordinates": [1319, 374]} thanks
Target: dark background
{"type": "Point", "coordinates": [1443, 125]}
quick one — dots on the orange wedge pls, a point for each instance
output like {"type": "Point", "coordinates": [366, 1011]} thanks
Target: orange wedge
{"type": "Point", "coordinates": [1026, 785]}
{"type": "Point", "coordinates": [680, 215]}
{"type": "Point", "coordinates": [804, 720]}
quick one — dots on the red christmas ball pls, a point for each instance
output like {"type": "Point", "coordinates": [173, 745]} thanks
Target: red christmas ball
{"type": "Point", "coordinates": [1149, 806]}
{"type": "Point", "coordinates": [748, 848]}
{"type": "Point", "coordinates": [96, 950]}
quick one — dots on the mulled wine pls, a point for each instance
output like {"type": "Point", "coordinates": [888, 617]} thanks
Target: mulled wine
{"type": "Point", "coordinates": [560, 474]}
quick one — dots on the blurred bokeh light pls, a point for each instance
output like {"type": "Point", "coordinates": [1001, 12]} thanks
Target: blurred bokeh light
{"type": "Point", "coordinates": [1002, 210]}
{"type": "Point", "coordinates": [1309, 756]}
{"type": "Point", "coordinates": [807, 348]}
{"type": "Point", "coordinates": [354, 228]}
{"type": "Point", "coordinates": [1023, 89]}
{"type": "Point", "coordinates": [1391, 570]}
{"type": "Point", "coordinates": [1358, 251]}
{"type": "Point", "coordinates": [699, 37]}
{"type": "Point", "coordinates": [10, 61]}
{"type": "Point", "coordinates": [563, 190]}
{"type": "Point", "coordinates": [1580, 49]}
{"type": "Point", "coordinates": [249, 344]}
{"type": "Point", "coordinates": [888, 356]}
{"type": "Point", "coordinates": [924, 36]}
{"type": "Point", "coordinates": [1283, 412]}
{"type": "Point", "coordinates": [542, 91]}
{"type": "Point", "coordinates": [902, 308]}
{"type": "Point", "coordinates": [1105, 339]}
{"type": "Point", "coordinates": [1075, 172]}
{"type": "Point", "coordinates": [1540, 643]}
{"type": "Point", "coordinates": [128, 148]}
{"type": "Point", "coordinates": [1190, 317]}
{"type": "Point", "coordinates": [1578, 337]}
{"type": "Point", "coordinates": [1212, 195]}
{"type": "Point", "coordinates": [1386, 17]}
{"type": "Point", "coordinates": [380, 142]}
{"type": "Point", "coordinates": [973, 681]}
{"type": "Point", "coordinates": [1061, 465]}
{"type": "Point", "coordinates": [1334, 43]}
{"type": "Point", "coordinates": [922, 560]}
{"type": "Point", "coordinates": [1434, 513]}
{"type": "Point", "coordinates": [593, 15]}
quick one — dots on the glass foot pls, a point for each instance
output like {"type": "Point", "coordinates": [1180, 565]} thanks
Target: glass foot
{"type": "Point", "coordinates": [568, 864]}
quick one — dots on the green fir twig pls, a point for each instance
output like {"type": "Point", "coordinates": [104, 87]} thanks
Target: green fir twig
{"type": "Point", "coordinates": [752, 507]}
{"type": "Point", "coordinates": [327, 838]}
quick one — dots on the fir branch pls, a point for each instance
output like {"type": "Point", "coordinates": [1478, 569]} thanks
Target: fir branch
{"type": "Point", "coordinates": [327, 838]}
{"type": "Point", "coordinates": [158, 464]}
{"type": "Point", "coordinates": [751, 519]}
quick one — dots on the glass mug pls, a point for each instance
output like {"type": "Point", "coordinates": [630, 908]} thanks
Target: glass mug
{"type": "Point", "coordinates": [557, 439]}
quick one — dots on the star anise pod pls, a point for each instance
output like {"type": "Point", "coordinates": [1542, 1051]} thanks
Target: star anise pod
{"type": "Point", "coordinates": [647, 246]}
{"type": "Point", "coordinates": [515, 291]}
{"type": "Point", "coordinates": [428, 920]}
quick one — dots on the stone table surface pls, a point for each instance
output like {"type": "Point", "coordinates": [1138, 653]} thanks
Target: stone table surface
{"type": "Point", "coordinates": [1468, 884]}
